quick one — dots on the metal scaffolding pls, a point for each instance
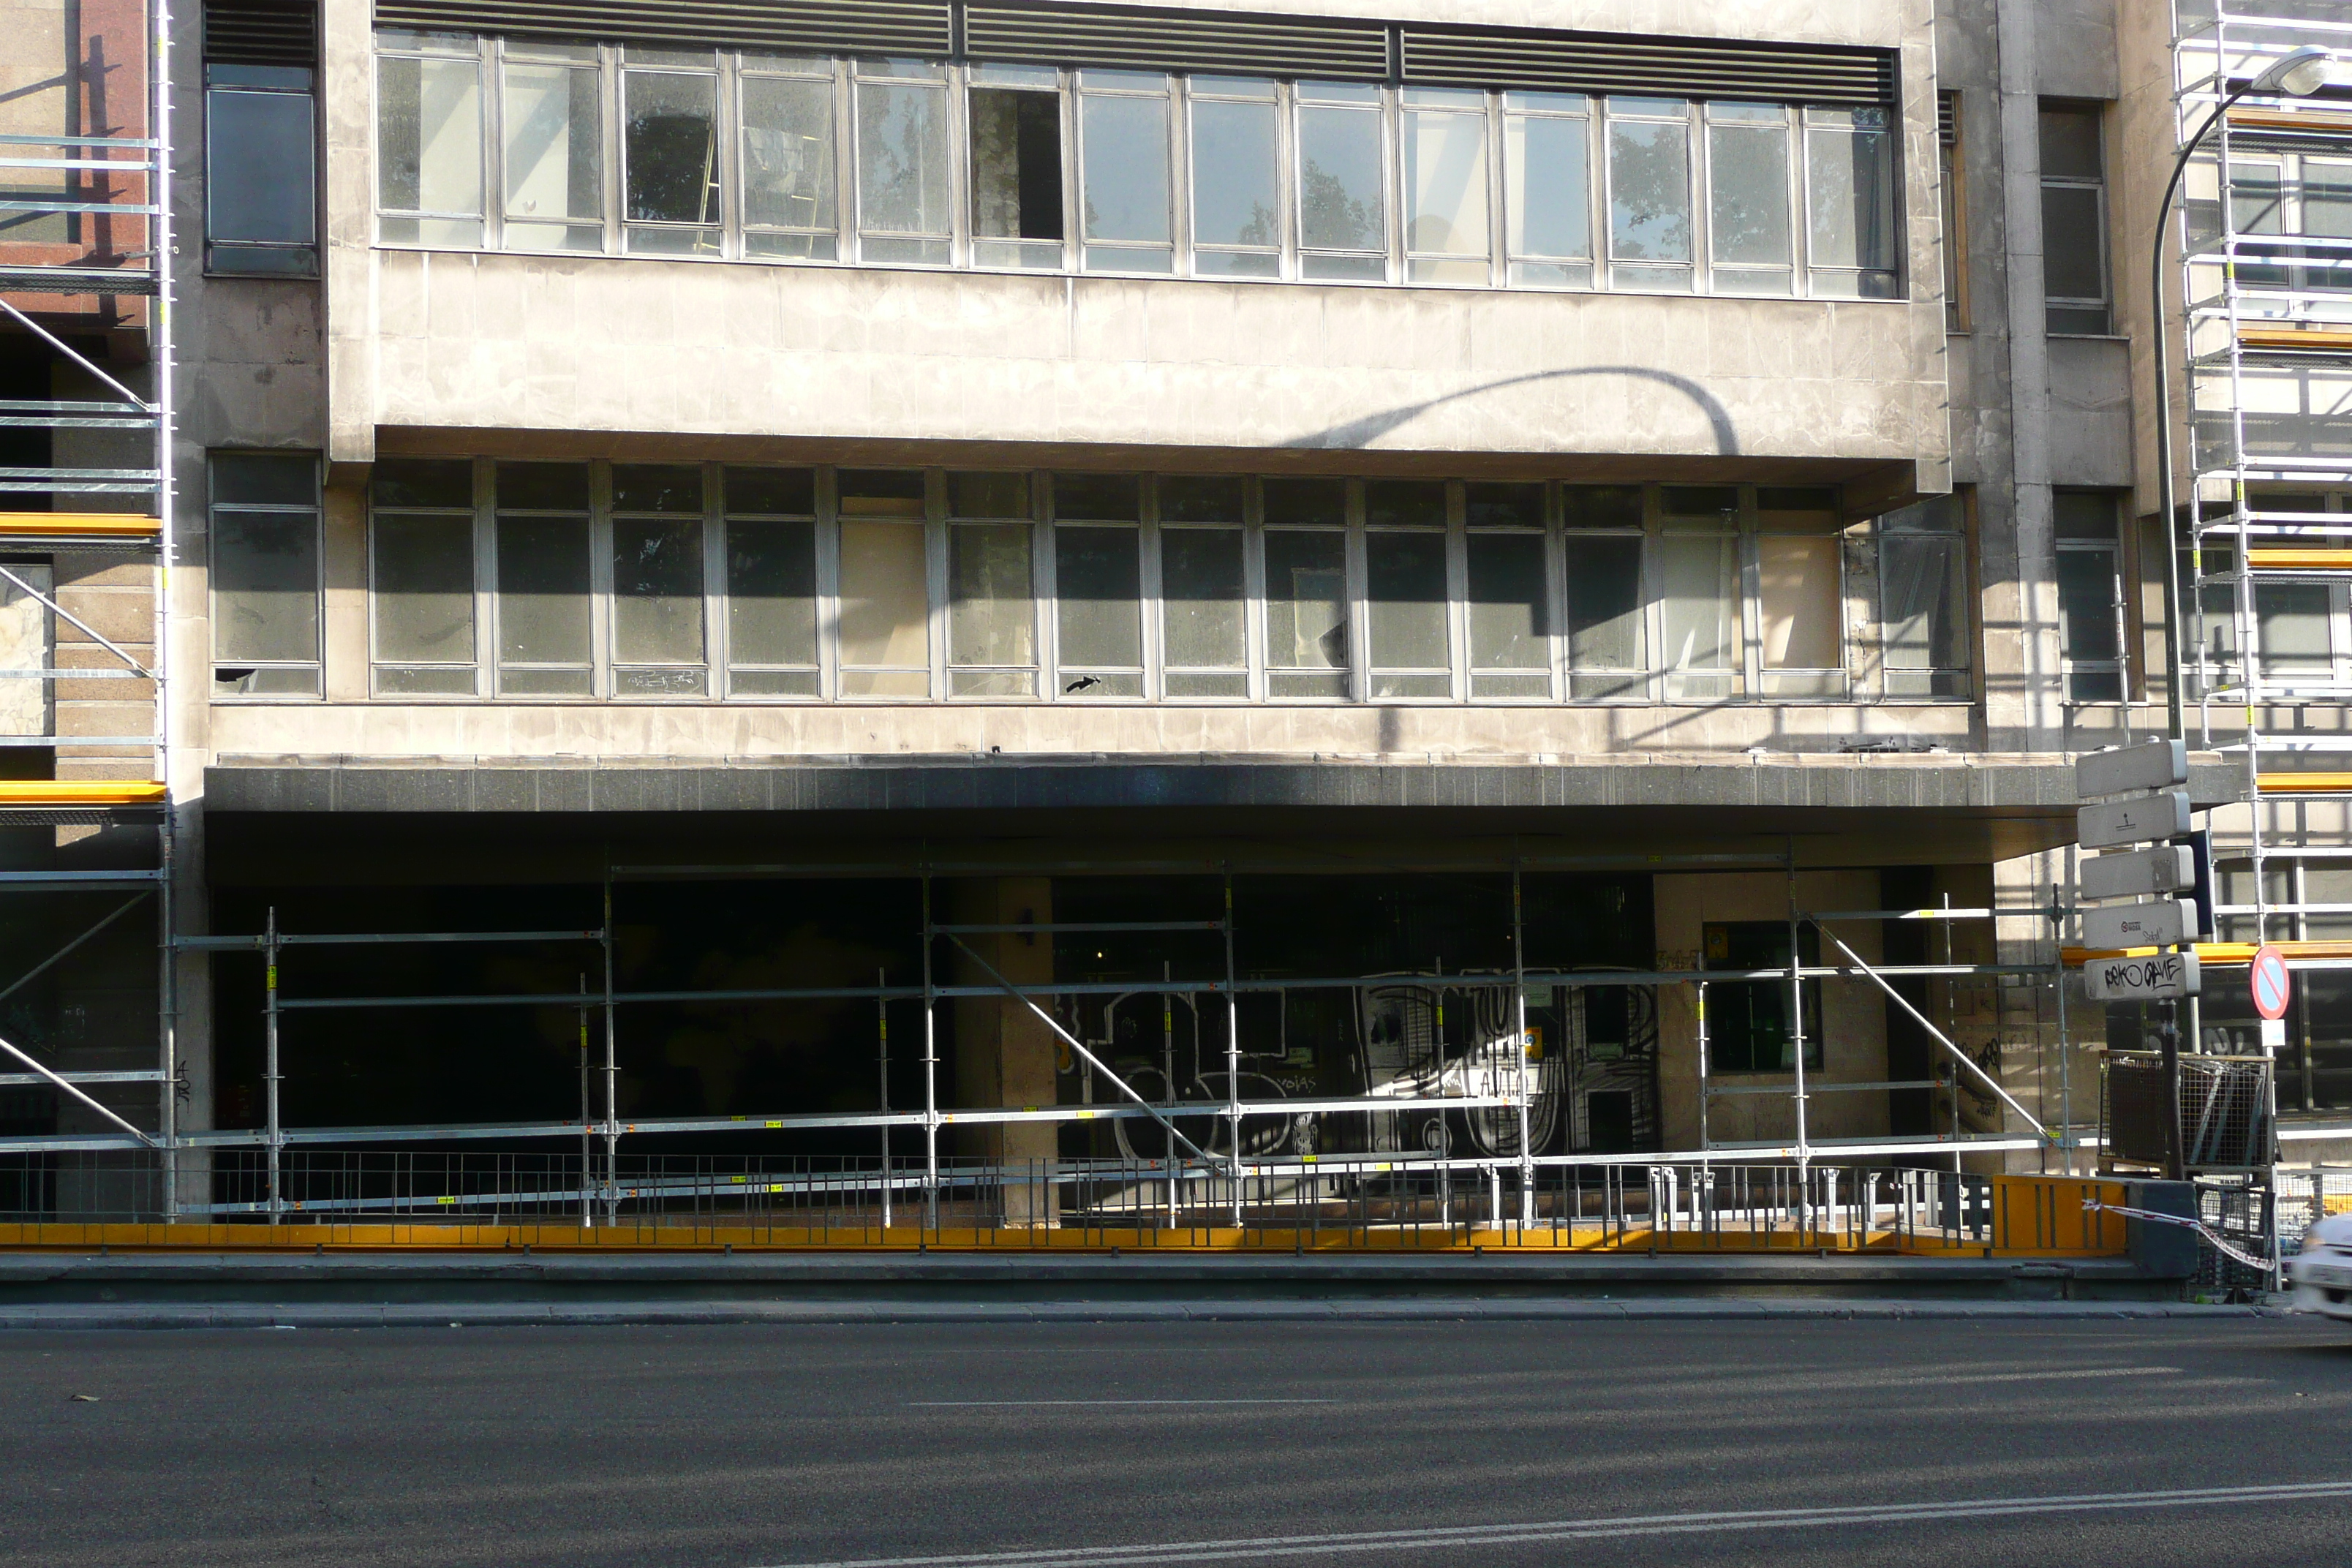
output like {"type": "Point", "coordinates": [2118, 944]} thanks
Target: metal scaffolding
{"type": "Point", "coordinates": [1232, 1152]}
{"type": "Point", "coordinates": [113, 185]}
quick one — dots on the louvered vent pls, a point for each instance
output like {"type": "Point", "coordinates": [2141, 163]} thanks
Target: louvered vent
{"type": "Point", "coordinates": [1947, 119]}
{"type": "Point", "coordinates": [806, 26]}
{"type": "Point", "coordinates": [1627, 63]}
{"type": "Point", "coordinates": [261, 32]}
{"type": "Point", "coordinates": [1130, 36]}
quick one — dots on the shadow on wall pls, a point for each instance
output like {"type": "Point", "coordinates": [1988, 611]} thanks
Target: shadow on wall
{"type": "Point", "coordinates": [1363, 432]}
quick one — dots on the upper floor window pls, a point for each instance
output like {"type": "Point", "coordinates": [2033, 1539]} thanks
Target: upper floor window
{"type": "Point", "coordinates": [2291, 193]}
{"type": "Point", "coordinates": [916, 163]}
{"type": "Point", "coordinates": [2074, 218]}
{"type": "Point", "coordinates": [2090, 594]}
{"type": "Point", "coordinates": [1952, 201]}
{"type": "Point", "coordinates": [263, 519]}
{"type": "Point", "coordinates": [260, 139]}
{"type": "Point", "coordinates": [541, 580]}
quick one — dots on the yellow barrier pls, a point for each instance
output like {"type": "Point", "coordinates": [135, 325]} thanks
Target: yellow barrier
{"type": "Point", "coordinates": [2032, 1217]}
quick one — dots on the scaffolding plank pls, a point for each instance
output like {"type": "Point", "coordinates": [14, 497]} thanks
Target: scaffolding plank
{"type": "Point", "coordinates": [2281, 558]}
{"type": "Point", "coordinates": [79, 792]}
{"type": "Point", "coordinates": [2296, 340]}
{"type": "Point", "coordinates": [2312, 782]}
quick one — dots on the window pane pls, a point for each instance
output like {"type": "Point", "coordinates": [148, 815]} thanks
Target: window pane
{"type": "Point", "coordinates": [902, 159]}
{"type": "Point", "coordinates": [1125, 184]}
{"type": "Point", "coordinates": [1201, 592]}
{"type": "Point", "coordinates": [1852, 177]}
{"type": "Point", "coordinates": [1649, 191]}
{"type": "Point", "coordinates": [2086, 603]}
{"type": "Point", "coordinates": [786, 491]}
{"type": "Point", "coordinates": [1404, 580]}
{"type": "Point", "coordinates": [2070, 144]}
{"type": "Point", "coordinates": [1306, 600]}
{"type": "Point", "coordinates": [414, 481]}
{"type": "Point", "coordinates": [1695, 578]}
{"type": "Point", "coordinates": [1549, 207]}
{"type": "Point", "coordinates": [1236, 180]}
{"type": "Point", "coordinates": [2293, 620]}
{"type": "Point", "coordinates": [543, 590]}
{"type": "Point", "coordinates": [1797, 601]}
{"type": "Point", "coordinates": [992, 607]}
{"type": "Point", "coordinates": [884, 596]}
{"type": "Point", "coordinates": [1017, 165]}
{"type": "Point", "coordinates": [1305, 501]}
{"type": "Point", "coordinates": [1107, 497]}
{"type": "Point", "coordinates": [1340, 205]}
{"type": "Point", "coordinates": [1097, 594]}
{"type": "Point", "coordinates": [1405, 503]}
{"type": "Point", "coordinates": [1508, 620]}
{"type": "Point", "coordinates": [429, 142]}
{"type": "Point", "coordinates": [2073, 244]}
{"type": "Point", "coordinates": [670, 150]}
{"type": "Point", "coordinates": [1446, 190]}
{"type": "Point", "coordinates": [1488, 505]}
{"type": "Point", "coordinates": [553, 167]}
{"type": "Point", "coordinates": [424, 588]}
{"type": "Point", "coordinates": [657, 590]}
{"type": "Point", "coordinates": [1748, 194]}
{"type": "Point", "coordinates": [772, 592]}
{"type": "Point", "coordinates": [265, 586]}
{"type": "Point", "coordinates": [1919, 601]}
{"type": "Point", "coordinates": [1604, 601]}
{"type": "Point", "coordinates": [266, 478]}
{"type": "Point", "coordinates": [258, 161]}
{"type": "Point", "coordinates": [788, 168]}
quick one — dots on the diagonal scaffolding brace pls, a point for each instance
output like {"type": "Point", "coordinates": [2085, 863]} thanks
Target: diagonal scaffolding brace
{"type": "Point", "coordinates": [1092, 1060]}
{"type": "Point", "coordinates": [1940, 1037]}
{"type": "Point", "coordinates": [70, 1089]}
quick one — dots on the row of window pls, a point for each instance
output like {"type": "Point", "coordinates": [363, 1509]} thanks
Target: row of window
{"type": "Point", "coordinates": [552, 580]}
{"type": "Point", "coordinates": [534, 145]}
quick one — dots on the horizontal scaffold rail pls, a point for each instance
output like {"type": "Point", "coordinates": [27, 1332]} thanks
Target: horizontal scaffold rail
{"type": "Point", "coordinates": [2225, 954]}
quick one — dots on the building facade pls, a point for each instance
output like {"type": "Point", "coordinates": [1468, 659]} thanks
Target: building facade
{"type": "Point", "coordinates": [922, 557]}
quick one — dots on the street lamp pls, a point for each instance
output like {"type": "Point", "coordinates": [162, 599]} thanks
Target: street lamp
{"type": "Point", "coordinates": [2298, 73]}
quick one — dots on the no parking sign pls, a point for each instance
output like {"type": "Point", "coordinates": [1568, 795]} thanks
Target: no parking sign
{"type": "Point", "coordinates": [2267, 978]}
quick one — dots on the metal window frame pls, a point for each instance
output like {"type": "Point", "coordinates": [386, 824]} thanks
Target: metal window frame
{"type": "Point", "coordinates": [472, 514]}
{"type": "Point", "coordinates": [316, 511]}
{"type": "Point", "coordinates": [2105, 303]}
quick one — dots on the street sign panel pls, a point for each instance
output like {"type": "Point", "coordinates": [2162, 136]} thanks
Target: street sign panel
{"type": "Point", "coordinates": [2139, 925]}
{"type": "Point", "coordinates": [2140, 873]}
{"type": "Point", "coordinates": [2141, 820]}
{"type": "Point", "coordinates": [2149, 764]}
{"type": "Point", "coordinates": [2267, 978]}
{"type": "Point", "coordinates": [2154, 978]}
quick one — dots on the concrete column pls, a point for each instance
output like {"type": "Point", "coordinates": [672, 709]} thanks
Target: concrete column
{"type": "Point", "coordinates": [1005, 1056]}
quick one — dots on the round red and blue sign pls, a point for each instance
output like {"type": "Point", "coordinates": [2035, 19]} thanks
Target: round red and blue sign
{"type": "Point", "coordinates": [2269, 981]}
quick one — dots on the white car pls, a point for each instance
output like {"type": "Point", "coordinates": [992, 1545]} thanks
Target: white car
{"type": "Point", "coordinates": [2321, 1272]}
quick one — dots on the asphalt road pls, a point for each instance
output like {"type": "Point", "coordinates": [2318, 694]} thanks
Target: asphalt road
{"type": "Point", "coordinates": [1036, 1446]}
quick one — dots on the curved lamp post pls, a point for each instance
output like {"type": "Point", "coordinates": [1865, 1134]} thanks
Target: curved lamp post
{"type": "Point", "coordinates": [2296, 74]}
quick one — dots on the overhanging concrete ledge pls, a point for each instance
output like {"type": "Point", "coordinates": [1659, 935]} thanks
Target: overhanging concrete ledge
{"type": "Point", "coordinates": [2030, 787]}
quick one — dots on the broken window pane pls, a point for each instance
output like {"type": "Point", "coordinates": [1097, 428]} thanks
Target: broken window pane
{"type": "Point", "coordinates": [1306, 607]}
{"type": "Point", "coordinates": [788, 168]}
{"type": "Point", "coordinates": [670, 158]}
{"type": "Point", "coordinates": [1016, 177]}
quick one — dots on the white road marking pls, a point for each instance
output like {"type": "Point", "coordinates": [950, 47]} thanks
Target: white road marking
{"type": "Point", "coordinates": [2044, 1376]}
{"type": "Point", "coordinates": [1600, 1529]}
{"type": "Point", "coordinates": [1002, 1403]}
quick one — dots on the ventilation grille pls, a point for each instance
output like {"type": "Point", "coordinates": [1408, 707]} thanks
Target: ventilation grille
{"type": "Point", "coordinates": [805, 27]}
{"type": "Point", "coordinates": [261, 32]}
{"type": "Point", "coordinates": [1670, 68]}
{"type": "Point", "coordinates": [1947, 119]}
{"type": "Point", "coordinates": [1114, 37]}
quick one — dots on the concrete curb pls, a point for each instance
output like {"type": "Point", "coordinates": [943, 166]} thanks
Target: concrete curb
{"type": "Point", "coordinates": [124, 1315]}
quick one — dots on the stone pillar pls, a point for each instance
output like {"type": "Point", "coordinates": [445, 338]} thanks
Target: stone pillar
{"type": "Point", "coordinates": [1004, 1055]}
